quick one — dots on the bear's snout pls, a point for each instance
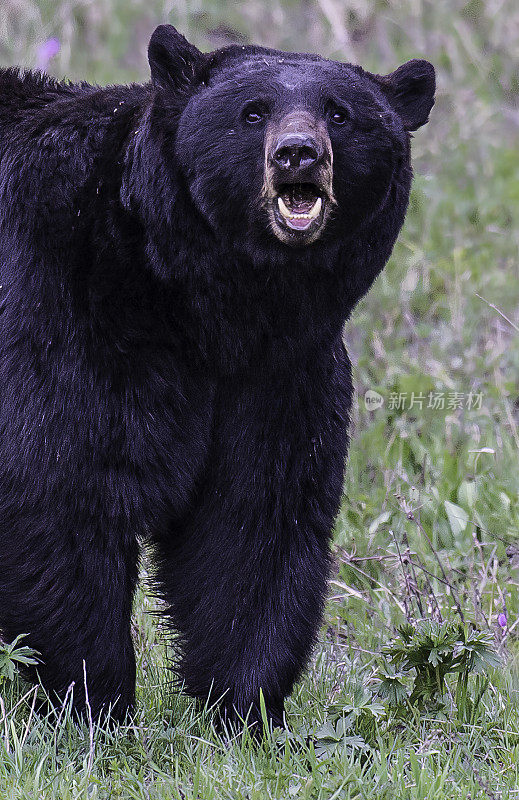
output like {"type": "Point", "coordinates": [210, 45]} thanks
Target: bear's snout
{"type": "Point", "coordinates": [298, 177]}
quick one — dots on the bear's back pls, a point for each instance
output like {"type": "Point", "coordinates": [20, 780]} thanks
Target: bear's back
{"type": "Point", "coordinates": [22, 91]}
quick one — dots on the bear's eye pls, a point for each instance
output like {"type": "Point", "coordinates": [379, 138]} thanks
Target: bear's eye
{"type": "Point", "coordinates": [254, 113]}
{"type": "Point", "coordinates": [338, 115]}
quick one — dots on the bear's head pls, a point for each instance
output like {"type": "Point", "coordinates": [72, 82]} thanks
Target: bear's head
{"type": "Point", "coordinates": [286, 150]}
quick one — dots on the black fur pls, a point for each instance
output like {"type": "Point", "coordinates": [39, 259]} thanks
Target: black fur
{"type": "Point", "coordinates": [170, 372]}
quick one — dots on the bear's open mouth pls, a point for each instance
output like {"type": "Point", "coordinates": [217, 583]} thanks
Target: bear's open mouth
{"type": "Point", "coordinates": [299, 206]}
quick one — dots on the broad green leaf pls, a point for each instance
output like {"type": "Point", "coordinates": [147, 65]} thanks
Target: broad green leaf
{"type": "Point", "coordinates": [457, 516]}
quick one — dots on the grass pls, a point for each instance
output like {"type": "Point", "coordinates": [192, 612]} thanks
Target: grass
{"type": "Point", "coordinates": [429, 527]}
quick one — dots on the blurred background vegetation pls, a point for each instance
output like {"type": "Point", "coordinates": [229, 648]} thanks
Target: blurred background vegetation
{"type": "Point", "coordinates": [430, 522]}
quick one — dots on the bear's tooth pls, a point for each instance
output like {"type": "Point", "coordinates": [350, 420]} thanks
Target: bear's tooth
{"type": "Point", "coordinates": [312, 214]}
{"type": "Point", "coordinates": [283, 209]}
{"type": "Point", "coordinates": [316, 209]}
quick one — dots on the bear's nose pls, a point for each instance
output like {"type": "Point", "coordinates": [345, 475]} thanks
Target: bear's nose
{"type": "Point", "coordinates": [296, 150]}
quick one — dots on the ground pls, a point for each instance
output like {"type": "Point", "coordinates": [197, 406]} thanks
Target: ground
{"type": "Point", "coordinates": [446, 475]}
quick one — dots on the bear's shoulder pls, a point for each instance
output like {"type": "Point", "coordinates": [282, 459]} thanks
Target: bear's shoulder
{"type": "Point", "coordinates": [59, 143]}
{"type": "Point", "coordinates": [52, 131]}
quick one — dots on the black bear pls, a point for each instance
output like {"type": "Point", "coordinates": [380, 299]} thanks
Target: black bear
{"type": "Point", "coordinates": [177, 262]}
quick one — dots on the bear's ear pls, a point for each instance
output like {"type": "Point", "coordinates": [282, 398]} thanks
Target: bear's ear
{"type": "Point", "coordinates": [172, 59]}
{"type": "Point", "coordinates": [410, 90]}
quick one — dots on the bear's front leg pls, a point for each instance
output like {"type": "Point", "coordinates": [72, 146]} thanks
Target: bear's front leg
{"type": "Point", "coordinates": [67, 582]}
{"type": "Point", "coordinates": [245, 579]}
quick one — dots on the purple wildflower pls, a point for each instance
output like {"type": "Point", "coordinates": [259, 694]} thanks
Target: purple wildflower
{"type": "Point", "coordinates": [502, 620]}
{"type": "Point", "coordinates": [46, 52]}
